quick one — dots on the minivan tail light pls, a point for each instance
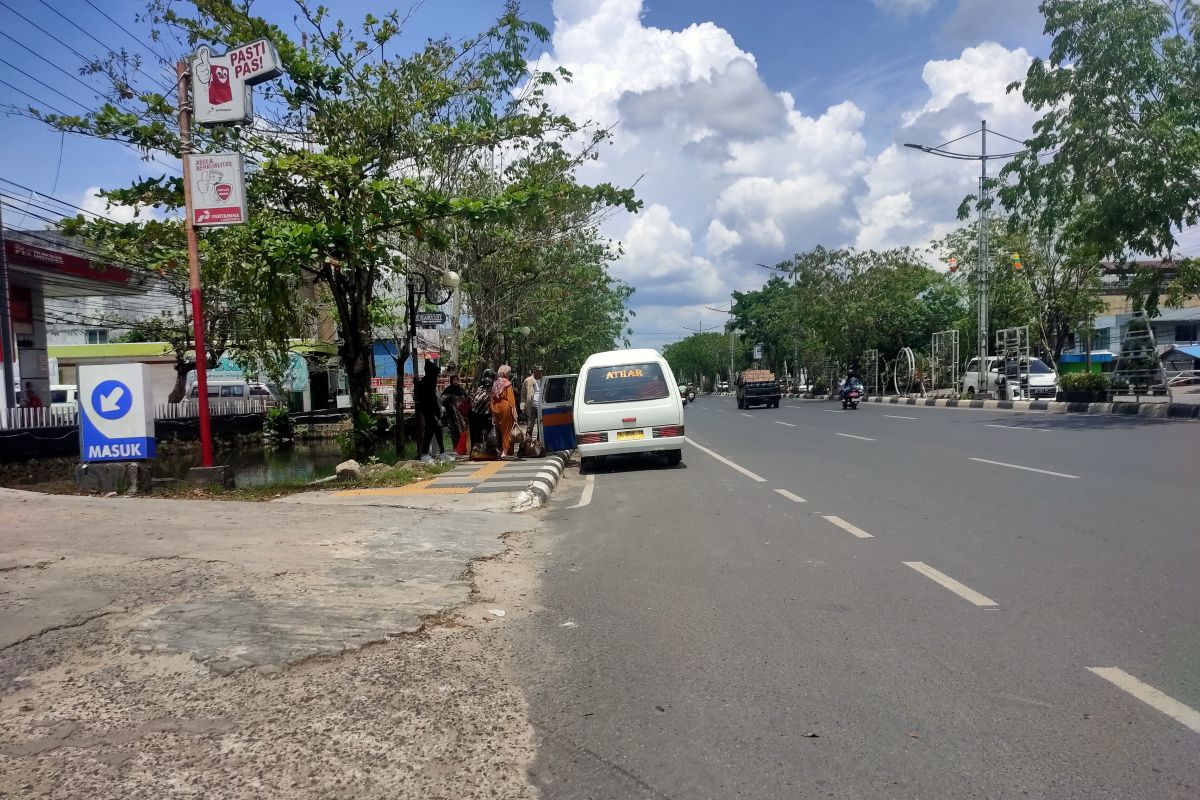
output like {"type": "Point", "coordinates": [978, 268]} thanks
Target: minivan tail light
{"type": "Point", "coordinates": [591, 438]}
{"type": "Point", "coordinates": [665, 431]}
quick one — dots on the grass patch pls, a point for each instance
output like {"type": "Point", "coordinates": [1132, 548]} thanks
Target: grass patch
{"type": "Point", "coordinates": [373, 479]}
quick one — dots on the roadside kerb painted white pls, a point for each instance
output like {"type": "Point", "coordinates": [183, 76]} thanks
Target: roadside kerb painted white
{"type": "Point", "coordinates": [794, 498]}
{"type": "Point", "coordinates": [1027, 469]}
{"type": "Point", "coordinates": [1185, 715]}
{"type": "Point", "coordinates": [542, 486]}
{"type": "Point", "coordinates": [852, 436]}
{"type": "Point", "coordinates": [752, 476]}
{"type": "Point", "coordinates": [945, 580]}
{"type": "Point", "coordinates": [588, 487]}
{"type": "Point", "coordinates": [846, 526]}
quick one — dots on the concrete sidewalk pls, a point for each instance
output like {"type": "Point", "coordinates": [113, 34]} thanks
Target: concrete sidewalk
{"type": "Point", "coordinates": [472, 486]}
{"type": "Point", "coordinates": [154, 643]}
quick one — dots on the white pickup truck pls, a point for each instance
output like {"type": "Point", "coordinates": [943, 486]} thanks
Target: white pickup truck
{"type": "Point", "coordinates": [1043, 380]}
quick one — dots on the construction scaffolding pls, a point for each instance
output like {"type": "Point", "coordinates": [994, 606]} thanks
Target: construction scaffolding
{"type": "Point", "coordinates": [1012, 348]}
{"type": "Point", "coordinates": [870, 376]}
{"type": "Point", "coordinates": [943, 362]}
{"type": "Point", "coordinates": [1138, 363]}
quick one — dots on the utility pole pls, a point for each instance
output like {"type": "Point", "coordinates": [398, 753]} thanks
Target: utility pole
{"type": "Point", "coordinates": [984, 268]}
{"type": "Point", "coordinates": [7, 351]}
{"type": "Point", "coordinates": [183, 81]}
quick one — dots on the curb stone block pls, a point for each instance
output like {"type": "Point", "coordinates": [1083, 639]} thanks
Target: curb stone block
{"type": "Point", "coordinates": [543, 485]}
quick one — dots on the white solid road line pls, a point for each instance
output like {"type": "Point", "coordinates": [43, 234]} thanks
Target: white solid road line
{"type": "Point", "coordinates": [790, 425]}
{"type": "Point", "coordinates": [726, 461]}
{"type": "Point", "coordinates": [588, 488]}
{"type": "Point", "coordinates": [790, 496]}
{"type": "Point", "coordinates": [1015, 427]}
{"type": "Point", "coordinates": [1027, 469]}
{"type": "Point", "coordinates": [852, 436]}
{"type": "Point", "coordinates": [846, 526]}
{"type": "Point", "coordinates": [1150, 696]}
{"type": "Point", "coordinates": [897, 416]}
{"type": "Point", "coordinates": [951, 584]}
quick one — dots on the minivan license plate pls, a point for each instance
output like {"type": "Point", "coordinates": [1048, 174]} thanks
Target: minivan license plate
{"type": "Point", "coordinates": [625, 435]}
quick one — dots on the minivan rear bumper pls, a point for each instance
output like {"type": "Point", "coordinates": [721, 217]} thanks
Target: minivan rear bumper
{"type": "Point", "coordinates": [648, 445]}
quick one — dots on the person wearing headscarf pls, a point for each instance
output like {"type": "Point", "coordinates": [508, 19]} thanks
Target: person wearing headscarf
{"type": "Point", "coordinates": [504, 410]}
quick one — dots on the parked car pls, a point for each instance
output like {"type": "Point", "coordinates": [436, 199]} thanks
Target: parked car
{"type": "Point", "coordinates": [64, 396]}
{"type": "Point", "coordinates": [627, 401]}
{"type": "Point", "coordinates": [1043, 380]}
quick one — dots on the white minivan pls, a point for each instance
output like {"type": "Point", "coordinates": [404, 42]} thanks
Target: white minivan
{"type": "Point", "coordinates": [627, 401]}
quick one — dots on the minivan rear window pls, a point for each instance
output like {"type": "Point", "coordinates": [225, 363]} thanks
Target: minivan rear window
{"type": "Point", "coordinates": [625, 383]}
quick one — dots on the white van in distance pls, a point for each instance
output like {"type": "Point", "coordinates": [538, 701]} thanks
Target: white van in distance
{"type": "Point", "coordinates": [627, 401]}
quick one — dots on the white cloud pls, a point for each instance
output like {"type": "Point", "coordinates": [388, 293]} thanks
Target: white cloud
{"type": "Point", "coordinates": [93, 203]}
{"type": "Point", "coordinates": [733, 174]}
{"type": "Point", "coordinates": [913, 196]}
{"type": "Point", "coordinates": [902, 8]}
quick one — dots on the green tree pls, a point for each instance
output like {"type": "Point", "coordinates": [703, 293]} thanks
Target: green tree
{"type": "Point", "coordinates": [1114, 160]}
{"type": "Point", "coordinates": [344, 147]}
{"type": "Point", "coordinates": [698, 355]}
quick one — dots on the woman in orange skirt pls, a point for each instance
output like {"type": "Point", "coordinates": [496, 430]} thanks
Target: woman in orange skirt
{"type": "Point", "coordinates": [504, 410]}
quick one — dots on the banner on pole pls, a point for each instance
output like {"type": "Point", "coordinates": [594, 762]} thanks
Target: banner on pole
{"type": "Point", "coordinates": [221, 84]}
{"type": "Point", "coordinates": [218, 189]}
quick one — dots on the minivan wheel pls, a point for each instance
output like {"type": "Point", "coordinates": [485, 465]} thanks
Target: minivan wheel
{"type": "Point", "coordinates": [674, 457]}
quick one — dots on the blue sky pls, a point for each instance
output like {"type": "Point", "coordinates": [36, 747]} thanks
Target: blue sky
{"type": "Point", "coordinates": [754, 129]}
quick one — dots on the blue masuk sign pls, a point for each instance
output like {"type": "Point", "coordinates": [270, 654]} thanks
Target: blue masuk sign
{"type": "Point", "coordinates": [116, 422]}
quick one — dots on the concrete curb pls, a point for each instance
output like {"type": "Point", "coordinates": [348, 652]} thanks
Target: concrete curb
{"type": "Point", "coordinates": [542, 486]}
{"type": "Point", "coordinates": [1150, 410]}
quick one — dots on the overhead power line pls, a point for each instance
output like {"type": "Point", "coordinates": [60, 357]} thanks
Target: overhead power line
{"type": "Point", "coordinates": [141, 42]}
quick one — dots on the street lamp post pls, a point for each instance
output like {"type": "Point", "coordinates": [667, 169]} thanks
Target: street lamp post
{"type": "Point", "coordinates": [449, 281]}
{"type": "Point", "coordinates": [984, 213]}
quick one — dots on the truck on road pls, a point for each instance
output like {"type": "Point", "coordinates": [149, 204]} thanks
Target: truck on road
{"type": "Point", "coordinates": [757, 387]}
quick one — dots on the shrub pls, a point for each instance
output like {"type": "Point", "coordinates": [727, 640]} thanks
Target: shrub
{"type": "Point", "coordinates": [278, 425]}
{"type": "Point", "coordinates": [1084, 382]}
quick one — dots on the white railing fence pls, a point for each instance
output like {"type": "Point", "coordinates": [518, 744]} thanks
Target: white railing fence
{"type": "Point", "coordinates": [19, 418]}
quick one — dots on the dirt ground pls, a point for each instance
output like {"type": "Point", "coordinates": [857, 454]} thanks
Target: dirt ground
{"type": "Point", "coordinates": [89, 710]}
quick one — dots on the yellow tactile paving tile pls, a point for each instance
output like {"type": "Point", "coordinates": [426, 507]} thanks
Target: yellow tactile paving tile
{"type": "Point", "coordinates": [421, 488]}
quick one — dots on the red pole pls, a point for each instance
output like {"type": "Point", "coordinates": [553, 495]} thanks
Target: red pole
{"type": "Point", "coordinates": [183, 80]}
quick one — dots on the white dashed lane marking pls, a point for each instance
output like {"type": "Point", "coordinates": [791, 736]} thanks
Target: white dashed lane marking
{"type": "Point", "coordinates": [1027, 469]}
{"type": "Point", "coordinates": [846, 526]}
{"type": "Point", "coordinates": [790, 425]}
{"type": "Point", "coordinates": [790, 496]}
{"type": "Point", "coordinates": [960, 589]}
{"type": "Point", "coordinates": [1152, 697]}
{"type": "Point", "coordinates": [852, 436]}
{"type": "Point", "coordinates": [727, 462]}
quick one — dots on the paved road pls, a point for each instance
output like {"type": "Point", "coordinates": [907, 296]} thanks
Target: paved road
{"type": "Point", "coordinates": [892, 602]}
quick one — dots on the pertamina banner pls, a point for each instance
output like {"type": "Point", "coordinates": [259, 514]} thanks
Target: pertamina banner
{"type": "Point", "coordinates": [218, 189]}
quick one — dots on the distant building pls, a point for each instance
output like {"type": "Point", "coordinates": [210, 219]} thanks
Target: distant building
{"type": "Point", "coordinates": [1115, 280]}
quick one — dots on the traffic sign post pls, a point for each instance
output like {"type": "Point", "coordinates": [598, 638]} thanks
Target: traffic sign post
{"type": "Point", "coordinates": [116, 420]}
{"type": "Point", "coordinates": [431, 319]}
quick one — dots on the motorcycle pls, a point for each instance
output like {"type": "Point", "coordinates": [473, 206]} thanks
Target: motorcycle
{"type": "Point", "coordinates": [691, 396]}
{"type": "Point", "coordinates": [851, 395]}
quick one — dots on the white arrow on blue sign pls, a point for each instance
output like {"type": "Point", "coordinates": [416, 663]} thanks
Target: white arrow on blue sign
{"type": "Point", "coordinates": [116, 422]}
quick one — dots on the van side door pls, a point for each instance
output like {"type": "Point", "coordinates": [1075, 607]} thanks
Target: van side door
{"type": "Point", "coordinates": [558, 412]}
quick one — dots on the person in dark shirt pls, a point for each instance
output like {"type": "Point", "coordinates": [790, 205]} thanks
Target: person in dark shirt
{"type": "Point", "coordinates": [454, 398]}
{"type": "Point", "coordinates": [426, 397]}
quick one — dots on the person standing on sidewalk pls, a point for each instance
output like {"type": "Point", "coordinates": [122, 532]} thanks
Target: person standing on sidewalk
{"type": "Point", "coordinates": [481, 412]}
{"type": "Point", "coordinates": [532, 400]}
{"type": "Point", "coordinates": [504, 410]}
{"type": "Point", "coordinates": [453, 398]}
{"type": "Point", "coordinates": [426, 398]}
